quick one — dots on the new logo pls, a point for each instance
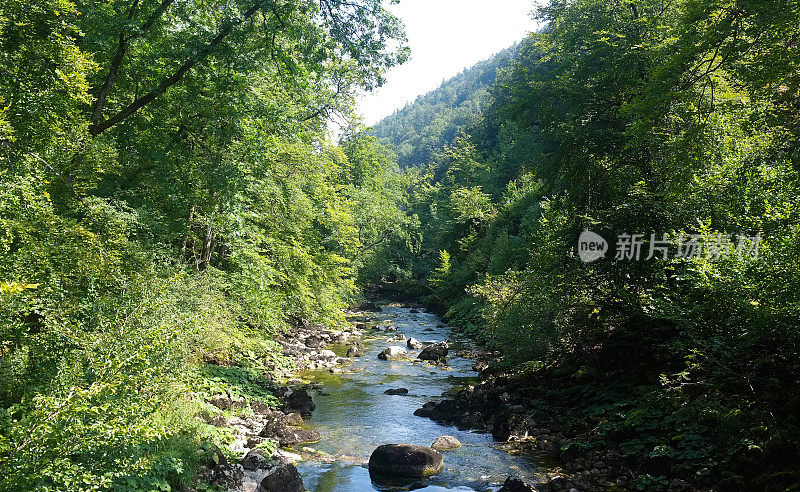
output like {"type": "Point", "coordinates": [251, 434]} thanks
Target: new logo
{"type": "Point", "coordinates": [591, 246]}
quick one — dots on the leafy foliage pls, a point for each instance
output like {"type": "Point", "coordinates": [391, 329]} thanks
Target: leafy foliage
{"type": "Point", "coordinates": [634, 117]}
{"type": "Point", "coordinates": [169, 201]}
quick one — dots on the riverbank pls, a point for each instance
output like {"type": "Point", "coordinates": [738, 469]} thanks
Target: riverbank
{"type": "Point", "coordinates": [563, 420]}
{"type": "Point", "coordinates": [260, 435]}
{"type": "Point", "coordinates": [343, 400]}
{"type": "Point", "coordinates": [336, 410]}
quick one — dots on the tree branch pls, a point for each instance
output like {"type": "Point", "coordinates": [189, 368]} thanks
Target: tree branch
{"type": "Point", "coordinates": [122, 49]}
{"type": "Point", "coordinates": [202, 54]}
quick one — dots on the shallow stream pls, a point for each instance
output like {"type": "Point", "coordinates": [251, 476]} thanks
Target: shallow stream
{"type": "Point", "coordinates": [354, 416]}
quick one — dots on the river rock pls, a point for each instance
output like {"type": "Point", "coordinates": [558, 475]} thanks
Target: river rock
{"type": "Point", "coordinates": [413, 343]}
{"type": "Point", "coordinates": [326, 354]}
{"type": "Point", "coordinates": [514, 484]}
{"type": "Point", "coordinates": [446, 443]}
{"type": "Point", "coordinates": [293, 419]}
{"type": "Point", "coordinates": [254, 460]}
{"type": "Point", "coordinates": [393, 353]}
{"type": "Point", "coordinates": [284, 478]}
{"type": "Point", "coordinates": [510, 426]}
{"type": "Point", "coordinates": [405, 460]}
{"type": "Point", "coordinates": [435, 352]}
{"type": "Point", "coordinates": [397, 391]}
{"type": "Point", "coordinates": [414, 311]}
{"type": "Point", "coordinates": [288, 436]}
{"type": "Point", "coordinates": [299, 401]}
{"type": "Point", "coordinates": [283, 428]}
{"type": "Point", "coordinates": [355, 351]}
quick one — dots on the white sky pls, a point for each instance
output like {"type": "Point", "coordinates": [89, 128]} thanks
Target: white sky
{"type": "Point", "coordinates": [446, 36]}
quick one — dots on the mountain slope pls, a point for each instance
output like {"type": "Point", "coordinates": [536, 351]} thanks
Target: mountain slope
{"type": "Point", "coordinates": [434, 119]}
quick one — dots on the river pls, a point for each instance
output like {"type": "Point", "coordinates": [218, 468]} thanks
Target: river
{"type": "Point", "coordinates": [354, 416]}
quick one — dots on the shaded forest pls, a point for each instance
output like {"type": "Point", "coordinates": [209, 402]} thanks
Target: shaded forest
{"type": "Point", "coordinates": [171, 202]}
{"type": "Point", "coordinates": [678, 120]}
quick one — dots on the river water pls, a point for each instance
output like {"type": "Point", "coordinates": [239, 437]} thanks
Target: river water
{"type": "Point", "coordinates": [354, 416]}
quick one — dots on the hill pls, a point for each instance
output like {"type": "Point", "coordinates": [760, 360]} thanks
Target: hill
{"type": "Point", "coordinates": [434, 119]}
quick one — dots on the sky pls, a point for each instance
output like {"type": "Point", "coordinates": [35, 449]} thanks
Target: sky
{"type": "Point", "coordinates": [445, 37]}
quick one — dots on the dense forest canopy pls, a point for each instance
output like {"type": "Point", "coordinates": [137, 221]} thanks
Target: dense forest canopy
{"type": "Point", "coordinates": [168, 196]}
{"type": "Point", "coordinates": [676, 119]}
{"type": "Point", "coordinates": [171, 202]}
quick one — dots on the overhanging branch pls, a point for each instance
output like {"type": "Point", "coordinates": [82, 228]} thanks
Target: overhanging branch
{"type": "Point", "coordinates": [98, 128]}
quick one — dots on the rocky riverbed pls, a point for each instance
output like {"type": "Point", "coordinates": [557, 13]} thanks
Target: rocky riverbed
{"type": "Point", "coordinates": [392, 376]}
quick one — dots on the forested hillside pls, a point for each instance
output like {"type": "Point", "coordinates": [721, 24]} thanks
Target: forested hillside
{"type": "Point", "coordinates": [671, 130]}
{"type": "Point", "coordinates": [169, 202]}
{"type": "Point", "coordinates": [433, 120]}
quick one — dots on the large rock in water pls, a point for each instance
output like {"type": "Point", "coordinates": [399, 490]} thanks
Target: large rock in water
{"type": "Point", "coordinates": [513, 484]}
{"type": "Point", "coordinates": [405, 460]}
{"type": "Point", "coordinates": [355, 351]}
{"type": "Point", "coordinates": [299, 401]}
{"type": "Point", "coordinates": [285, 478]}
{"type": "Point", "coordinates": [413, 343]}
{"type": "Point", "coordinates": [435, 352]}
{"type": "Point", "coordinates": [446, 443]}
{"type": "Point", "coordinates": [393, 353]}
{"type": "Point", "coordinates": [289, 436]}
{"type": "Point", "coordinates": [278, 423]}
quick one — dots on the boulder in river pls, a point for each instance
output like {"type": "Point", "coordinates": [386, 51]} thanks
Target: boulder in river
{"type": "Point", "coordinates": [435, 352]}
{"type": "Point", "coordinates": [396, 391]}
{"type": "Point", "coordinates": [446, 443]}
{"type": "Point", "coordinates": [405, 460]}
{"type": "Point", "coordinates": [393, 353]}
{"type": "Point", "coordinates": [413, 343]}
{"type": "Point", "coordinates": [284, 478]}
{"type": "Point", "coordinates": [414, 311]}
{"type": "Point", "coordinates": [293, 419]}
{"type": "Point", "coordinates": [514, 484]}
{"type": "Point", "coordinates": [299, 401]}
{"type": "Point", "coordinates": [444, 411]}
{"type": "Point", "coordinates": [289, 436]}
{"type": "Point", "coordinates": [355, 351]}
